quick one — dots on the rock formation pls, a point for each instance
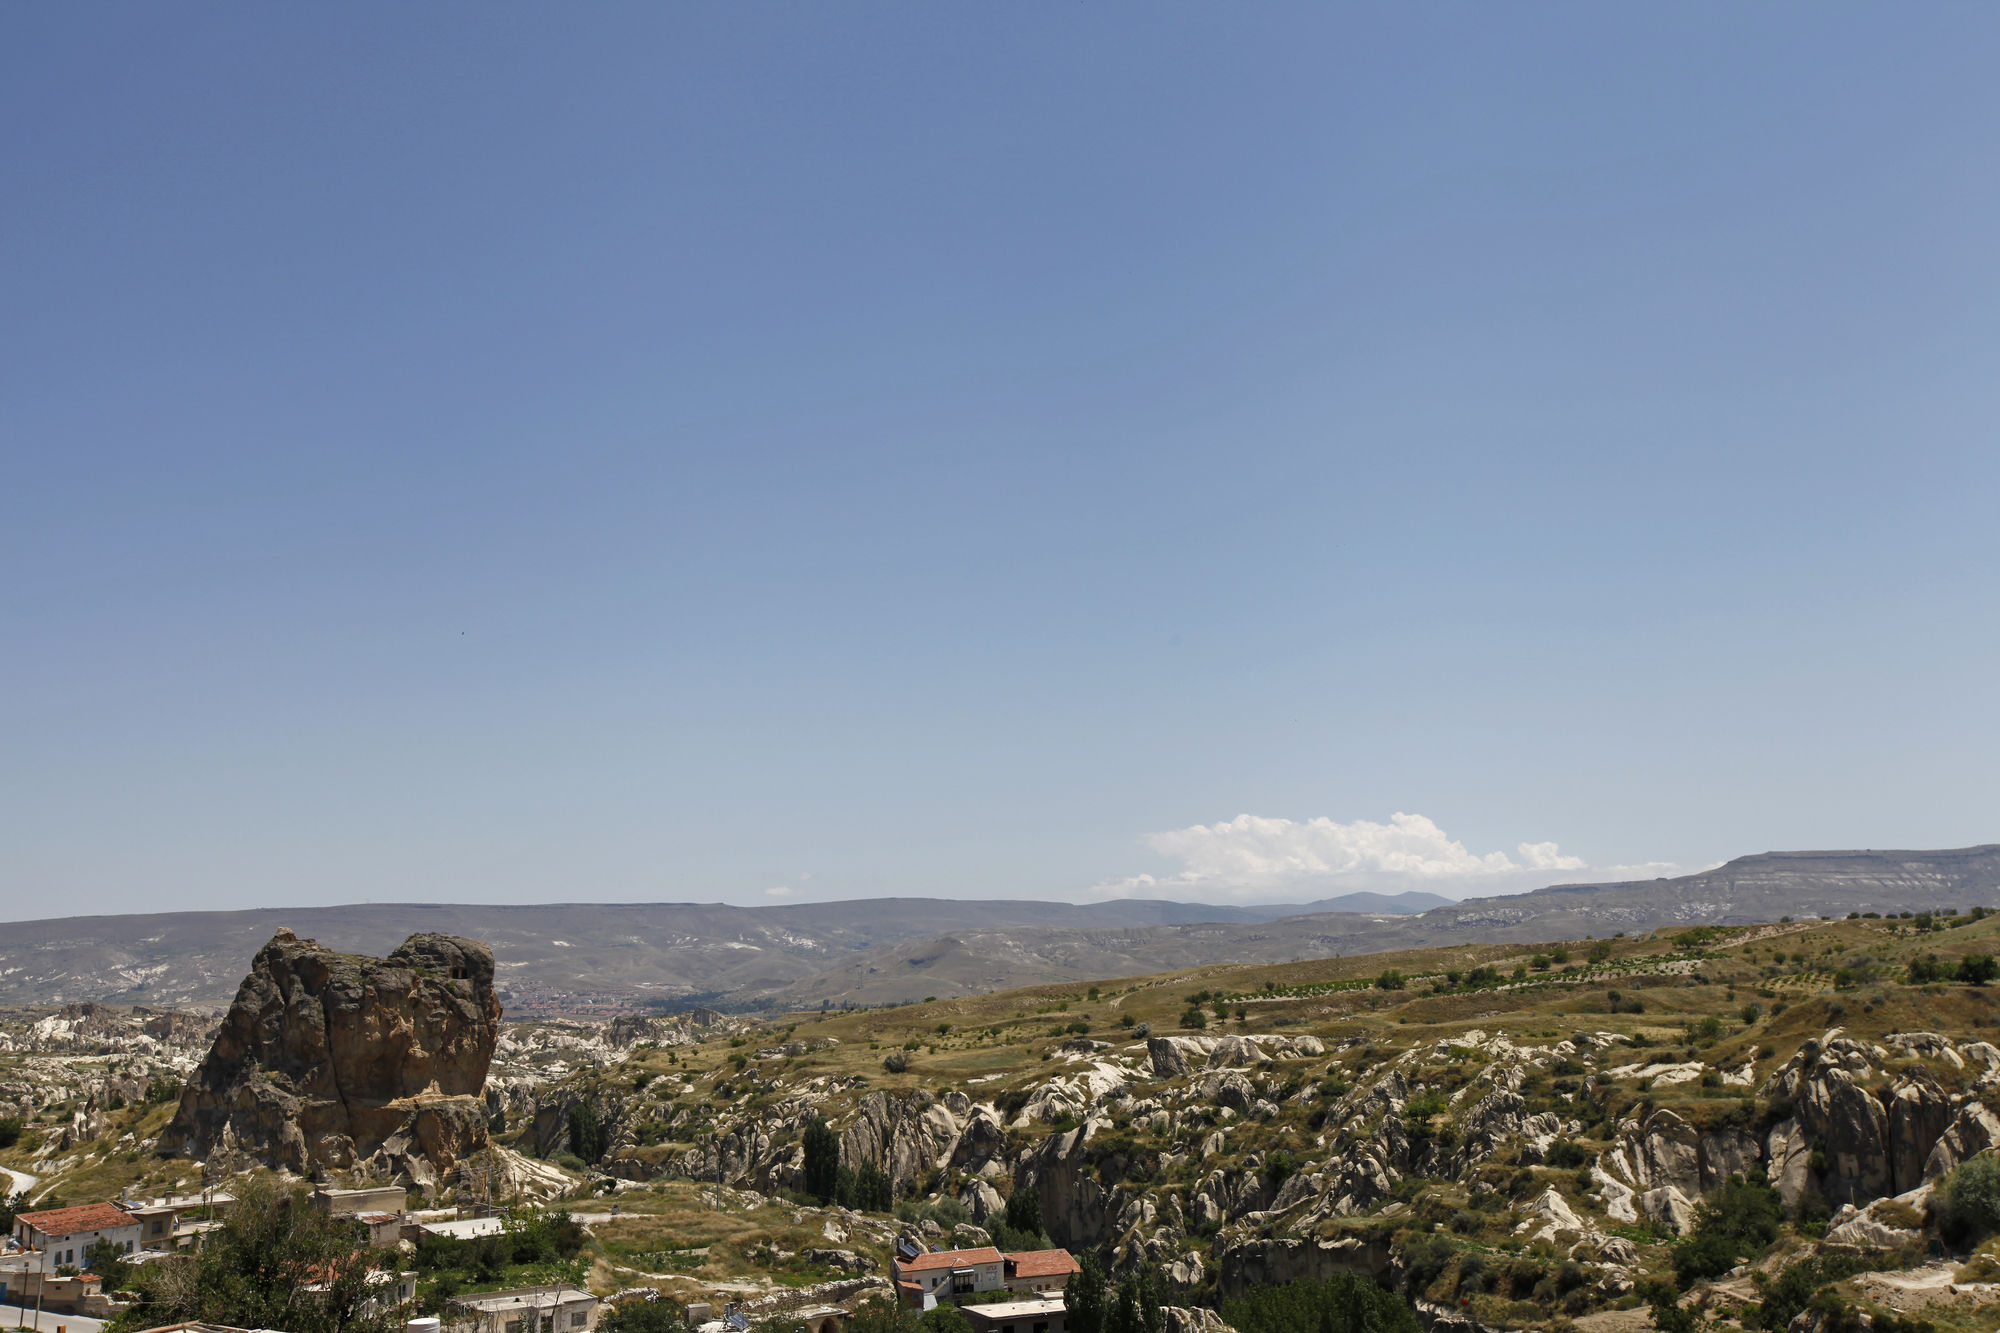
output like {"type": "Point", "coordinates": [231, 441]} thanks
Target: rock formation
{"type": "Point", "coordinates": [330, 1060]}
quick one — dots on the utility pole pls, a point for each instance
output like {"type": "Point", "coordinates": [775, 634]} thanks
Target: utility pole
{"type": "Point", "coordinates": [42, 1286]}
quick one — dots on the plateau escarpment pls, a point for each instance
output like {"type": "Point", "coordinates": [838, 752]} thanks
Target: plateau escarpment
{"type": "Point", "coordinates": [595, 960]}
{"type": "Point", "coordinates": [335, 1061]}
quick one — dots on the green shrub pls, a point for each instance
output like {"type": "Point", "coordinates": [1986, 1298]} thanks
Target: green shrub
{"type": "Point", "coordinates": [1969, 1201]}
{"type": "Point", "coordinates": [1739, 1221]}
{"type": "Point", "coordinates": [1567, 1154]}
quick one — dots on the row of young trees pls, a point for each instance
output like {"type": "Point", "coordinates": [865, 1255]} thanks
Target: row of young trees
{"type": "Point", "coordinates": [1975, 969]}
{"type": "Point", "coordinates": [867, 1188]}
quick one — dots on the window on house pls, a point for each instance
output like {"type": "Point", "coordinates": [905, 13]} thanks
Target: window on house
{"type": "Point", "coordinates": [513, 1326]}
{"type": "Point", "coordinates": [579, 1318]}
{"type": "Point", "coordinates": [548, 1323]}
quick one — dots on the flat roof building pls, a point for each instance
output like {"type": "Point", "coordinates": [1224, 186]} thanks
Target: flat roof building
{"type": "Point", "coordinates": [1040, 1314]}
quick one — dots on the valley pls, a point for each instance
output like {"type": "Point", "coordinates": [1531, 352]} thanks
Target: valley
{"type": "Point", "coordinates": [1507, 1135]}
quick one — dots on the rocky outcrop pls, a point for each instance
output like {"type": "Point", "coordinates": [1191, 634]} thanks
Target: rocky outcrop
{"type": "Point", "coordinates": [1663, 1151]}
{"type": "Point", "coordinates": [329, 1060]}
{"type": "Point", "coordinates": [668, 1029]}
{"type": "Point", "coordinates": [1259, 1262]}
{"type": "Point", "coordinates": [903, 1138]}
{"type": "Point", "coordinates": [1194, 1319]}
{"type": "Point", "coordinates": [1077, 1209]}
{"type": "Point", "coordinates": [1846, 1141]}
{"type": "Point", "coordinates": [1973, 1129]}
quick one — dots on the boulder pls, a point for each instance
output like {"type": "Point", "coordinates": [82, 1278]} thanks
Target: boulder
{"type": "Point", "coordinates": [982, 1200]}
{"type": "Point", "coordinates": [1549, 1215]}
{"type": "Point", "coordinates": [1193, 1319]}
{"type": "Point", "coordinates": [1972, 1131]}
{"type": "Point", "coordinates": [846, 1261]}
{"type": "Point", "coordinates": [1873, 1228]}
{"type": "Point", "coordinates": [1660, 1151]}
{"type": "Point", "coordinates": [982, 1140]}
{"type": "Point", "coordinates": [1173, 1057]}
{"type": "Point", "coordinates": [1667, 1204]}
{"type": "Point", "coordinates": [1236, 1053]}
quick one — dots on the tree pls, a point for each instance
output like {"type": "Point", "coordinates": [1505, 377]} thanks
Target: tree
{"type": "Point", "coordinates": [1669, 1315]}
{"type": "Point", "coordinates": [1424, 1108]}
{"type": "Point", "coordinates": [866, 1188]}
{"type": "Point", "coordinates": [1390, 979]}
{"type": "Point", "coordinates": [108, 1261]}
{"type": "Point", "coordinates": [10, 1130]}
{"type": "Point", "coordinates": [586, 1133]}
{"type": "Point", "coordinates": [275, 1262]}
{"type": "Point", "coordinates": [822, 1159]}
{"type": "Point", "coordinates": [1024, 1209]}
{"type": "Point", "coordinates": [637, 1316]}
{"type": "Point", "coordinates": [944, 1319]}
{"type": "Point", "coordinates": [883, 1315]}
{"type": "Point", "coordinates": [1084, 1296]}
{"type": "Point", "coordinates": [1137, 1309]}
{"type": "Point", "coordinates": [1971, 1203]}
{"type": "Point", "coordinates": [1976, 969]}
{"type": "Point", "coordinates": [1345, 1304]}
{"type": "Point", "coordinates": [1739, 1221]}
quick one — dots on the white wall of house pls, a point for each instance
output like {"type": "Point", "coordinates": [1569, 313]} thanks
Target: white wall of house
{"type": "Point", "coordinates": [58, 1251]}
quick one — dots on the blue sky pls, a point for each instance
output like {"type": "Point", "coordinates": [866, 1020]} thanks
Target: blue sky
{"type": "Point", "coordinates": [774, 452]}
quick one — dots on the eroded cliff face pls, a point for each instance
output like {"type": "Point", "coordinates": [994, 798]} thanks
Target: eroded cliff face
{"type": "Point", "coordinates": [329, 1060]}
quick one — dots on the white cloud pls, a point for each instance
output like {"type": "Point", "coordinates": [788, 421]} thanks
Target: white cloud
{"type": "Point", "coordinates": [1254, 856]}
{"type": "Point", "coordinates": [782, 891]}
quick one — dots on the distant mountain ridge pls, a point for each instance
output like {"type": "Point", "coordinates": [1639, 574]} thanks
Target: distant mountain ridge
{"type": "Point", "coordinates": [601, 958]}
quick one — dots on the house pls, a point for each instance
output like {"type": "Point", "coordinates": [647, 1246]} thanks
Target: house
{"type": "Point", "coordinates": [157, 1224]}
{"type": "Point", "coordinates": [817, 1319]}
{"type": "Point", "coordinates": [351, 1203]}
{"type": "Point", "coordinates": [385, 1230]}
{"type": "Point", "coordinates": [922, 1280]}
{"type": "Point", "coordinates": [64, 1235]}
{"type": "Point", "coordinates": [1037, 1314]}
{"type": "Point", "coordinates": [23, 1282]}
{"type": "Point", "coordinates": [556, 1309]}
{"type": "Point", "coordinates": [1039, 1270]}
{"type": "Point", "coordinates": [165, 1223]}
{"type": "Point", "coordinates": [385, 1289]}
{"type": "Point", "coordinates": [463, 1228]}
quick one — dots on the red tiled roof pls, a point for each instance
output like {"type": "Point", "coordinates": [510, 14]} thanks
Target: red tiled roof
{"type": "Point", "coordinates": [1042, 1263]}
{"type": "Point", "coordinates": [74, 1221]}
{"type": "Point", "coordinates": [984, 1254]}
